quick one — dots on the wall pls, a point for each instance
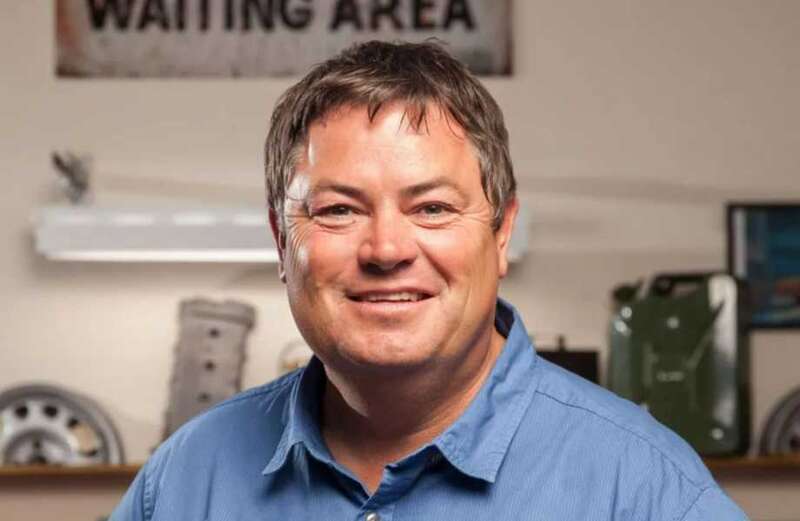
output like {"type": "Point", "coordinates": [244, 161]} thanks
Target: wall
{"type": "Point", "coordinates": [631, 122]}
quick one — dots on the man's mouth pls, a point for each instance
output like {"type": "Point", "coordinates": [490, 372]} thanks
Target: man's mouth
{"type": "Point", "coordinates": [397, 296]}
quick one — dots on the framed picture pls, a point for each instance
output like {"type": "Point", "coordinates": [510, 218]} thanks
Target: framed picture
{"type": "Point", "coordinates": [764, 251]}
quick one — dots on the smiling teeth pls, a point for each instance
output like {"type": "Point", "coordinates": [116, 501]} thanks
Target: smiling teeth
{"type": "Point", "coordinates": [393, 297]}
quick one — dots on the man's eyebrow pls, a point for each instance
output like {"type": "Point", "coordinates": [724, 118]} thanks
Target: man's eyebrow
{"type": "Point", "coordinates": [433, 184]}
{"type": "Point", "coordinates": [409, 191]}
{"type": "Point", "coordinates": [339, 188]}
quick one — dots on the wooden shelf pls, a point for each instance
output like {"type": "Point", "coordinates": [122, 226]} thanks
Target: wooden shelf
{"type": "Point", "coordinates": [740, 466]}
{"type": "Point", "coordinates": [761, 464]}
{"type": "Point", "coordinates": [101, 472]}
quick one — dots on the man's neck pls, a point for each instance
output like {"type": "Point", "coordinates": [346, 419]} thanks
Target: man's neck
{"type": "Point", "coordinates": [370, 422]}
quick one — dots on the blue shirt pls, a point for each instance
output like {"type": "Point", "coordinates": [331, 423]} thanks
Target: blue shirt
{"type": "Point", "coordinates": [536, 443]}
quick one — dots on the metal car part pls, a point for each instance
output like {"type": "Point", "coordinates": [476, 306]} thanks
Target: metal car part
{"type": "Point", "coordinates": [44, 424]}
{"type": "Point", "coordinates": [209, 356]}
{"type": "Point", "coordinates": [781, 433]}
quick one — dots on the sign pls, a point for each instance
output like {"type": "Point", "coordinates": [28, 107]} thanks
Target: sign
{"type": "Point", "coordinates": [190, 38]}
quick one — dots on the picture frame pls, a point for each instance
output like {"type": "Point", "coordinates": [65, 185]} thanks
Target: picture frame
{"type": "Point", "coordinates": [764, 252]}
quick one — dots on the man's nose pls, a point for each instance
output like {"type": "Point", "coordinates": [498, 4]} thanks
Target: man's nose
{"type": "Point", "coordinates": [389, 243]}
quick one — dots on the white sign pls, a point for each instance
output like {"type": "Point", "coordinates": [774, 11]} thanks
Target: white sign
{"type": "Point", "coordinates": [169, 38]}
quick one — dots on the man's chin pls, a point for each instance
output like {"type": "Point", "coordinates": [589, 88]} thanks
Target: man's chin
{"type": "Point", "coordinates": [396, 356]}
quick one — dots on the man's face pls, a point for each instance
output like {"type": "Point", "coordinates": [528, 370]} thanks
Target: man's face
{"type": "Point", "coordinates": [389, 256]}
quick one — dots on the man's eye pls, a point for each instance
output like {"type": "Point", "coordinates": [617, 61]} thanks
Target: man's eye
{"type": "Point", "coordinates": [337, 210]}
{"type": "Point", "coordinates": [433, 210]}
{"type": "Point", "coordinates": [334, 215]}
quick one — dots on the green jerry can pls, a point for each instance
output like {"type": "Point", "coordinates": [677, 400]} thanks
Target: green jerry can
{"type": "Point", "coordinates": [679, 348]}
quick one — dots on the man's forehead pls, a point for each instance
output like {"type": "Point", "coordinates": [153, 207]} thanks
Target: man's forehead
{"type": "Point", "coordinates": [347, 148]}
{"type": "Point", "coordinates": [352, 132]}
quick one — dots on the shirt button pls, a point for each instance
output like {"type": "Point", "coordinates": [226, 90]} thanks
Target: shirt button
{"type": "Point", "coordinates": [372, 516]}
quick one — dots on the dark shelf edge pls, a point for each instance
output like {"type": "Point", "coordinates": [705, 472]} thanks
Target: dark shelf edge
{"type": "Point", "coordinates": [729, 466]}
{"type": "Point", "coordinates": [98, 472]}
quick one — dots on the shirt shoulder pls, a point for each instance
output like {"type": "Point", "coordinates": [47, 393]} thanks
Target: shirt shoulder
{"type": "Point", "coordinates": [237, 436]}
{"type": "Point", "coordinates": [640, 465]}
{"type": "Point", "coordinates": [261, 412]}
{"type": "Point", "coordinates": [631, 425]}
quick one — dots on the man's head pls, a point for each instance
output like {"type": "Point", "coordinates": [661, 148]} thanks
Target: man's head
{"type": "Point", "coordinates": [417, 76]}
{"type": "Point", "coordinates": [392, 202]}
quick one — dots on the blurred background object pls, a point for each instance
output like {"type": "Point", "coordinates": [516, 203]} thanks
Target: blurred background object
{"type": "Point", "coordinates": [74, 174]}
{"type": "Point", "coordinates": [781, 435]}
{"type": "Point", "coordinates": [764, 250]}
{"type": "Point", "coordinates": [209, 356]}
{"type": "Point", "coordinates": [583, 362]}
{"type": "Point", "coordinates": [42, 424]}
{"type": "Point", "coordinates": [680, 349]}
{"type": "Point", "coordinates": [294, 355]}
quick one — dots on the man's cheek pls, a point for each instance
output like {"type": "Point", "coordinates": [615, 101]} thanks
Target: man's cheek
{"type": "Point", "coordinates": [297, 256]}
{"type": "Point", "coordinates": [327, 255]}
{"type": "Point", "coordinates": [455, 247]}
{"type": "Point", "coordinates": [312, 250]}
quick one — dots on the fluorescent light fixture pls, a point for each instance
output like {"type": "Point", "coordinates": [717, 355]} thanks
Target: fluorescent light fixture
{"type": "Point", "coordinates": [236, 234]}
{"type": "Point", "coordinates": [86, 233]}
{"type": "Point", "coordinates": [168, 256]}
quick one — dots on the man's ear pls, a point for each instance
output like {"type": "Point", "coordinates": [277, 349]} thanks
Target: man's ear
{"type": "Point", "coordinates": [280, 240]}
{"type": "Point", "coordinates": [503, 235]}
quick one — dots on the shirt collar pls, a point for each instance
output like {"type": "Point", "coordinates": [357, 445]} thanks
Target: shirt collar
{"type": "Point", "coordinates": [301, 424]}
{"type": "Point", "coordinates": [478, 441]}
{"type": "Point", "coordinates": [475, 444]}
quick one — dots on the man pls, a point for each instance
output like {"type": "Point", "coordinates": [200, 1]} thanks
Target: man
{"type": "Point", "coordinates": [391, 198]}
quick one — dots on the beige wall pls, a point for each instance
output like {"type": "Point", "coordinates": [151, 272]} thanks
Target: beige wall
{"type": "Point", "coordinates": [631, 122]}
